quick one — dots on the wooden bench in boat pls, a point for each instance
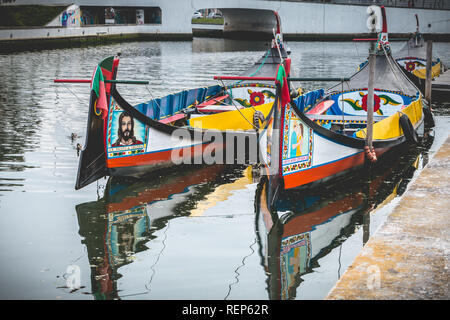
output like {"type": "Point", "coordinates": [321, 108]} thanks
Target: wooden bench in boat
{"type": "Point", "coordinates": [207, 110]}
{"type": "Point", "coordinates": [212, 101]}
{"type": "Point", "coordinates": [173, 118]}
{"type": "Point", "coordinates": [321, 107]}
{"type": "Point", "coordinates": [219, 108]}
{"type": "Point", "coordinates": [210, 106]}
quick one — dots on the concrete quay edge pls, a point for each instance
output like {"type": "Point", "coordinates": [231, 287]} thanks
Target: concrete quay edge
{"type": "Point", "coordinates": [408, 257]}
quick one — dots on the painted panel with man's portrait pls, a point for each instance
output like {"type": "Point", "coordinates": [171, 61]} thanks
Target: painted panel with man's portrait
{"type": "Point", "coordinates": [126, 135]}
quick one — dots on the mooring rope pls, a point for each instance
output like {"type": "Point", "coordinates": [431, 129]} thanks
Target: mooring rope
{"type": "Point", "coordinates": [259, 68]}
{"type": "Point", "coordinates": [255, 127]}
{"type": "Point", "coordinates": [161, 113]}
{"type": "Point", "coordinates": [79, 100]}
{"type": "Point", "coordinates": [251, 75]}
{"type": "Point", "coordinates": [236, 270]}
{"type": "Point", "coordinates": [392, 69]}
{"type": "Point", "coordinates": [147, 285]}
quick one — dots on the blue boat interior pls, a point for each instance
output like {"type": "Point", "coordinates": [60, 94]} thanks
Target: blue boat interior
{"type": "Point", "coordinates": [160, 108]}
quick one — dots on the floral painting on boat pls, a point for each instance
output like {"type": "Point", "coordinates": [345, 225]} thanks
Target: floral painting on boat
{"type": "Point", "coordinates": [254, 96]}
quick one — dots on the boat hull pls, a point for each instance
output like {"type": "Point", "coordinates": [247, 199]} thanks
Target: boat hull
{"type": "Point", "coordinates": [161, 145]}
{"type": "Point", "coordinates": [92, 162]}
{"type": "Point", "coordinates": [418, 76]}
{"type": "Point", "coordinates": [311, 153]}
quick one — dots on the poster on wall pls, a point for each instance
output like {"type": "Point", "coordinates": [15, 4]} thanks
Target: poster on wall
{"type": "Point", "coordinates": [110, 15]}
{"type": "Point", "coordinates": [71, 17]}
{"type": "Point", "coordinates": [139, 16]}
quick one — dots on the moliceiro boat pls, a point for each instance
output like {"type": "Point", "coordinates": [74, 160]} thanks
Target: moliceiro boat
{"type": "Point", "coordinates": [412, 58]}
{"type": "Point", "coordinates": [323, 134]}
{"type": "Point", "coordinates": [209, 125]}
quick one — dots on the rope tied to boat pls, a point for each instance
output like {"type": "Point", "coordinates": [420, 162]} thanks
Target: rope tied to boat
{"type": "Point", "coordinates": [370, 154]}
{"type": "Point", "coordinates": [161, 113]}
{"type": "Point", "coordinates": [258, 116]}
{"type": "Point", "coordinates": [392, 69]}
{"type": "Point", "coordinates": [255, 127]}
{"type": "Point", "coordinates": [259, 68]}
{"type": "Point", "coordinates": [230, 93]}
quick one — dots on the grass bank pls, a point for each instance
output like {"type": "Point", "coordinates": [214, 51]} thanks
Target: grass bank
{"type": "Point", "coordinates": [207, 21]}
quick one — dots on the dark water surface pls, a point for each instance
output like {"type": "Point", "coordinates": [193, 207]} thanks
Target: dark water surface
{"type": "Point", "coordinates": [182, 234]}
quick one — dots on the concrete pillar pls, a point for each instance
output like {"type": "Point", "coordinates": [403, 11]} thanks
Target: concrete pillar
{"type": "Point", "coordinates": [239, 22]}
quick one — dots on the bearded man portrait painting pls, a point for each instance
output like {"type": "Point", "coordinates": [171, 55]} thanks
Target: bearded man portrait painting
{"type": "Point", "coordinates": [125, 132]}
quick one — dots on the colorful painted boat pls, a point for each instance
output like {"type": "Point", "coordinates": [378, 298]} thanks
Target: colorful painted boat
{"type": "Point", "coordinates": [126, 140]}
{"type": "Point", "coordinates": [301, 147]}
{"type": "Point", "coordinates": [302, 227]}
{"type": "Point", "coordinates": [412, 58]}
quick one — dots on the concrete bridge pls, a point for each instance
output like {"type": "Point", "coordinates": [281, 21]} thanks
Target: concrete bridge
{"type": "Point", "coordinates": [300, 20]}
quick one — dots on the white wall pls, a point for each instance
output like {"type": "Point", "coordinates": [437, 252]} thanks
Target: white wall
{"type": "Point", "coordinates": [296, 17]}
{"type": "Point", "coordinates": [54, 32]}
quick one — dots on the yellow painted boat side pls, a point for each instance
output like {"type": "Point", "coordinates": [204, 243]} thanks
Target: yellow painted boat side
{"type": "Point", "coordinates": [390, 128]}
{"type": "Point", "coordinates": [435, 71]}
{"type": "Point", "coordinates": [230, 120]}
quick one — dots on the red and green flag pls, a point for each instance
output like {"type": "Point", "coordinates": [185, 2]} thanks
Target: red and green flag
{"type": "Point", "coordinates": [98, 86]}
{"type": "Point", "coordinates": [281, 79]}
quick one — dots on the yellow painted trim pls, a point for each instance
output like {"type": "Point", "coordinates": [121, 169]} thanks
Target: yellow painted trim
{"type": "Point", "coordinates": [390, 128]}
{"type": "Point", "coordinates": [435, 71]}
{"type": "Point", "coordinates": [230, 120]}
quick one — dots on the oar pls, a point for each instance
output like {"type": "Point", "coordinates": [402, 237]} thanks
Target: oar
{"type": "Point", "coordinates": [318, 79]}
{"type": "Point", "coordinates": [370, 152]}
{"type": "Point", "coordinates": [106, 81]}
{"type": "Point", "coordinates": [273, 79]}
{"type": "Point", "coordinates": [365, 39]}
{"type": "Point", "coordinates": [376, 39]}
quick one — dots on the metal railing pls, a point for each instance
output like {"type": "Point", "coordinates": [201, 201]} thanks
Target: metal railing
{"type": "Point", "coordinates": [418, 4]}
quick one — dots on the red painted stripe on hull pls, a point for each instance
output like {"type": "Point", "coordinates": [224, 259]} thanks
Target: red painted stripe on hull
{"type": "Point", "coordinates": [328, 170]}
{"type": "Point", "coordinates": [310, 175]}
{"type": "Point", "coordinates": [154, 158]}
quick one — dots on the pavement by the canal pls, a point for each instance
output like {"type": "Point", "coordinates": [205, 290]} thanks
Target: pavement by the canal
{"type": "Point", "coordinates": [408, 257]}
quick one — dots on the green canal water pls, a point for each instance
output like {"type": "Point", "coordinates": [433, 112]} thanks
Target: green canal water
{"type": "Point", "coordinates": [195, 233]}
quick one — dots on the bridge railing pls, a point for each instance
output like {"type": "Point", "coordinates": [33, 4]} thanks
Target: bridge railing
{"type": "Point", "coordinates": [418, 4]}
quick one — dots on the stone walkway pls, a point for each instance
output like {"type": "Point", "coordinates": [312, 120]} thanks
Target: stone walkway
{"type": "Point", "coordinates": [408, 257]}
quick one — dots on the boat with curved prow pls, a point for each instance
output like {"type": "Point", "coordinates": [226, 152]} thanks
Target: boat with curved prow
{"type": "Point", "coordinates": [180, 128]}
{"type": "Point", "coordinates": [412, 58]}
{"type": "Point", "coordinates": [321, 135]}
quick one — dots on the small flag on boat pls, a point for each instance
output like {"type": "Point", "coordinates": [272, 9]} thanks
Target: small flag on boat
{"type": "Point", "coordinates": [98, 85]}
{"type": "Point", "coordinates": [281, 78]}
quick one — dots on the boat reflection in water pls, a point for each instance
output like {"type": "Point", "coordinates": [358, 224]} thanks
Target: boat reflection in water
{"type": "Point", "coordinates": [120, 224]}
{"type": "Point", "coordinates": [303, 227]}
